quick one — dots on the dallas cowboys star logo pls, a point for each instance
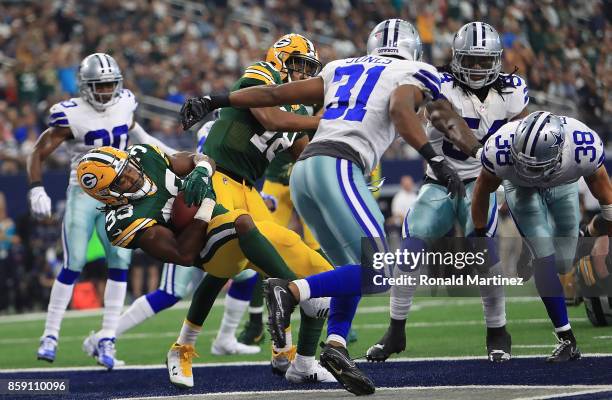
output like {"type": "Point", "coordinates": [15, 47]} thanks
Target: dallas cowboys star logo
{"type": "Point", "coordinates": [558, 140]}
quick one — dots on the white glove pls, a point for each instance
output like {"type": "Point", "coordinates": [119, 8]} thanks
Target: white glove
{"type": "Point", "coordinates": [40, 202]}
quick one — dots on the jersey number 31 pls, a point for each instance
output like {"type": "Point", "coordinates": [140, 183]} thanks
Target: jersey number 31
{"type": "Point", "coordinates": [343, 94]}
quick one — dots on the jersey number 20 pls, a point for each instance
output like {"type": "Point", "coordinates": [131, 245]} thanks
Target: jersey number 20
{"type": "Point", "coordinates": [101, 137]}
{"type": "Point", "coordinates": [354, 72]}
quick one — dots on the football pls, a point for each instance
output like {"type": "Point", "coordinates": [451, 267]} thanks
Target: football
{"type": "Point", "coordinates": [181, 214]}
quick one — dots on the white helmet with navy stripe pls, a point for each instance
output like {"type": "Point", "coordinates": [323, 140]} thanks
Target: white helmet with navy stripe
{"type": "Point", "coordinates": [477, 52]}
{"type": "Point", "coordinates": [537, 146]}
{"type": "Point", "coordinates": [395, 37]}
{"type": "Point", "coordinates": [96, 69]}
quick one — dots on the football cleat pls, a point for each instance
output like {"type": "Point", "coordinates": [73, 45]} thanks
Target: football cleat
{"type": "Point", "coordinates": [394, 341]}
{"type": "Point", "coordinates": [253, 333]}
{"type": "Point", "coordinates": [316, 373]}
{"type": "Point", "coordinates": [106, 353]}
{"type": "Point", "coordinates": [227, 346]}
{"type": "Point", "coordinates": [47, 348]}
{"type": "Point", "coordinates": [499, 347]}
{"type": "Point", "coordinates": [179, 363]}
{"type": "Point", "coordinates": [280, 303]}
{"type": "Point", "coordinates": [90, 347]}
{"type": "Point", "coordinates": [337, 361]}
{"type": "Point", "coordinates": [281, 360]}
{"type": "Point", "coordinates": [566, 350]}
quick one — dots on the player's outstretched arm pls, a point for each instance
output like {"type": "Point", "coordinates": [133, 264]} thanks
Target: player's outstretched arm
{"type": "Point", "coordinates": [274, 119]}
{"type": "Point", "coordinates": [403, 104]}
{"type": "Point", "coordinates": [601, 188]}
{"type": "Point", "coordinates": [183, 162]}
{"type": "Point", "coordinates": [308, 91]}
{"type": "Point", "coordinates": [40, 202]}
{"type": "Point", "coordinates": [447, 121]}
{"type": "Point", "coordinates": [486, 184]}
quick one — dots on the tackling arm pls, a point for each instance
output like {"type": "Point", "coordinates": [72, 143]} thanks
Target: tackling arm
{"type": "Point", "coordinates": [486, 184]}
{"type": "Point", "coordinates": [447, 121]}
{"type": "Point", "coordinates": [307, 91]}
{"type": "Point", "coordinates": [601, 188]}
{"type": "Point", "coordinates": [274, 119]}
{"type": "Point", "coordinates": [183, 162]}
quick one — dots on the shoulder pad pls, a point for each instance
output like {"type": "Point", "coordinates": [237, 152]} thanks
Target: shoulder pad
{"type": "Point", "coordinates": [262, 71]}
{"type": "Point", "coordinates": [57, 114]}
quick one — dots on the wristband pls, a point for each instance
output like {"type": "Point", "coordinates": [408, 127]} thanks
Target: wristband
{"type": "Point", "coordinates": [480, 232]}
{"type": "Point", "coordinates": [428, 152]}
{"type": "Point", "coordinates": [205, 211]}
{"type": "Point", "coordinates": [219, 100]}
{"type": "Point", "coordinates": [206, 165]}
{"type": "Point", "coordinates": [606, 212]}
{"type": "Point", "coordinates": [35, 184]}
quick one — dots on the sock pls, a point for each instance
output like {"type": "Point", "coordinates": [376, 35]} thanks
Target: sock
{"type": "Point", "coordinates": [288, 342]}
{"type": "Point", "coordinates": [204, 298]}
{"type": "Point", "coordinates": [232, 314]}
{"type": "Point", "coordinates": [189, 333]}
{"type": "Point", "coordinates": [139, 311]}
{"type": "Point", "coordinates": [243, 290]}
{"type": "Point", "coordinates": [550, 290]}
{"type": "Point", "coordinates": [160, 300]}
{"type": "Point", "coordinates": [256, 304]}
{"type": "Point", "coordinates": [493, 300]}
{"type": "Point", "coordinates": [114, 297]}
{"type": "Point", "coordinates": [341, 314]}
{"type": "Point", "coordinates": [310, 332]}
{"type": "Point", "coordinates": [340, 282]}
{"type": "Point", "coordinates": [61, 294]}
{"type": "Point", "coordinates": [303, 363]}
{"type": "Point", "coordinates": [496, 331]}
{"type": "Point", "coordinates": [261, 253]}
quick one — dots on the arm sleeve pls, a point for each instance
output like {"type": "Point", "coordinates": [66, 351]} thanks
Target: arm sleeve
{"type": "Point", "coordinates": [426, 77]}
{"type": "Point", "coordinates": [518, 98]}
{"type": "Point", "coordinates": [140, 136]}
{"type": "Point", "coordinates": [58, 117]}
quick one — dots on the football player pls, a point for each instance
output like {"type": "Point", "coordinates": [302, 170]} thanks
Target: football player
{"type": "Point", "coordinates": [139, 189]}
{"type": "Point", "coordinates": [475, 97]}
{"type": "Point", "coordinates": [539, 159]}
{"type": "Point", "coordinates": [243, 142]}
{"type": "Point", "coordinates": [367, 100]}
{"type": "Point", "coordinates": [102, 115]}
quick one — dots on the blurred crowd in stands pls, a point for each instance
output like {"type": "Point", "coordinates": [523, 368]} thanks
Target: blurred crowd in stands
{"type": "Point", "coordinates": [173, 49]}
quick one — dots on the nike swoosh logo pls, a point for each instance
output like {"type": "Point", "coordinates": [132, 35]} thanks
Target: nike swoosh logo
{"type": "Point", "coordinates": [174, 373]}
{"type": "Point", "coordinates": [277, 295]}
{"type": "Point", "coordinates": [338, 371]}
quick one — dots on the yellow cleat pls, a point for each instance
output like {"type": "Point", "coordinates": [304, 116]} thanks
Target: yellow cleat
{"type": "Point", "coordinates": [281, 360]}
{"type": "Point", "coordinates": [178, 361]}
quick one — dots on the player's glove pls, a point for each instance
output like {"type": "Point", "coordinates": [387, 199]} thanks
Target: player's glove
{"type": "Point", "coordinates": [443, 171]}
{"type": "Point", "coordinates": [40, 202]}
{"type": "Point", "coordinates": [196, 108]}
{"type": "Point", "coordinates": [198, 184]}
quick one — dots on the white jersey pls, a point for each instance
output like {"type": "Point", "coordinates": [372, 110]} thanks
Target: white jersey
{"type": "Point", "coordinates": [91, 128]}
{"type": "Point", "coordinates": [357, 92]}
{"type": "Point", "coordinates": [583, 153]}
{"type": "Point", "coordinates": [484, 118]}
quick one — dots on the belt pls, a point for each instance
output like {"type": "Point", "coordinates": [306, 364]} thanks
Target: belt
{"type": "Point", "coordinates": [236, 177]}
{"type": "Point", "coordinates": [429, 179]}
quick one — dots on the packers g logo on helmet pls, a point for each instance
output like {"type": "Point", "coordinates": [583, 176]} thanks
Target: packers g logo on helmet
{"type": "Point", "coordinates": [294, 53]}
{"type": "Point", "coordinates": [97, 171]}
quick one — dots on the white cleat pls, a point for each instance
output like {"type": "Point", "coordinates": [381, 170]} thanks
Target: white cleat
{"type": "Point", "coordinates": [232, 346]}
{"type": "Point", "coordinates": [90, 347]}
{"type": "Point", "coordinates": [179, 363]}
{"type": "Point", "coordinates": [316, 373]}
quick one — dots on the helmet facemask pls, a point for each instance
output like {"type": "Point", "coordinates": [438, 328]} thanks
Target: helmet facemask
{"type": "Point", "coordinates": [476, 69]}
{"type": "Point", "coordinates": [303, 65]}
{"type": "Point", "coordinates": [530, 170]}
{"type": "Point", "coordinates": [96, 94]}
{"type": "Point", "coordinates": [139, 187]}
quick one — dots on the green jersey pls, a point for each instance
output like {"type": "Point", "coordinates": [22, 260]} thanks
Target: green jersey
{"type": "Point", "coordinates": [126, 222]}
{"type": "Point", "coordinates": [238, 142]}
